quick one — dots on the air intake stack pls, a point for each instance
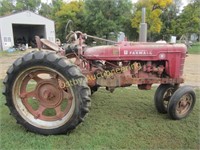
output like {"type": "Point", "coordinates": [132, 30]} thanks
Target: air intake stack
{"type": "Point", "coordinates": [143, 27]}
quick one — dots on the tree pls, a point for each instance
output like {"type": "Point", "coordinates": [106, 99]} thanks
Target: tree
{"type": "Point", "coordinates": [49, 10]}
{"type": "Point", "coordinates": [189, 19]}
{"type": "Point", "coordinates": [32, 5]}
{"type": "Point", "coordinates": [6, 7]}
{"type": "Point", "coordinates": [105, 17]}
{"type": "Point", "coordinates": [168, 18]}
{"type": "Point", "coordinates": [69, 11]}
{"type": "Point", "coordinates": [46, 10]}
{"type": "Point", "coordinates": [154, 9]}
{"type": "Point", "coordinates": [56, 6]}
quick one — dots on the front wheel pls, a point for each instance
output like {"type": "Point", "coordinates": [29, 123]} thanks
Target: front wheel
{"type": "Point", "coordinates": [46, 94]}
{"type": "Point", "coordinates": [181, 103]}
{"type": "Point", "coordinates": [162, 97]}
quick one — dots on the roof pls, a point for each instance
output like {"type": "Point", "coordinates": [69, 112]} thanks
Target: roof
{"type": "Point", "coordinates": [23, 12]}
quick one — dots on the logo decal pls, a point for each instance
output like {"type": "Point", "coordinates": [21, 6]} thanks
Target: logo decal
{"type": "Point", "coordinates": [125, 52]}
{"type": "Point", "coordinates": [137, 52]}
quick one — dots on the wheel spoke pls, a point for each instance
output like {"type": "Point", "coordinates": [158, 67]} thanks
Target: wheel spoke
{"type": "Point", "coordinates": [59, 113]}
{"type": "Point", "coordinates": [26, 95]}
{"type": "Point", "coordinates": [69, 98]}
{"type": "Point", "coordinates": [31, 94]}
{"type": "Point", "coordinates": [37, 79]}
{"type": "Point", "coordinates": [38, 113]}
{"type": "Point", "coordinates": [188, 99]}
{"type": "Point", "coordinates": [54, 75]}
{"type": "Point", "coordinates": [179, 109]}
{"type": "Point", "coordinates": [24, 84]}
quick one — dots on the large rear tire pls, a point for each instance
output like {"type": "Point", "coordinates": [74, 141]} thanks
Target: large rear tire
{"type": "Point", "coordinates": [46, 93]}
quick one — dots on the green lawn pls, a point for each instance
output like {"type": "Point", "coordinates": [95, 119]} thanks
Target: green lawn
{"type": "Point", "coordinates": [125, 119]}
{"type": "Point", "coordinates": [194, 49]}
{"type": "Point", "coordinates": [7, 54]}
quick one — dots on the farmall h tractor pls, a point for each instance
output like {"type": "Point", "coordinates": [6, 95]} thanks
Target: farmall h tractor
{"type": "Point", "coordinates": [48, 91]}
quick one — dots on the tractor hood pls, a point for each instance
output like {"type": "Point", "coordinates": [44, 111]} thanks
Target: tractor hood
{"type": "Point", "coordinates": [134, 51]}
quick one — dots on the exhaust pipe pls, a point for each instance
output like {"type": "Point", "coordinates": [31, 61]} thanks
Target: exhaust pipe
{"type": "Point", "coordinates": [143, 27]}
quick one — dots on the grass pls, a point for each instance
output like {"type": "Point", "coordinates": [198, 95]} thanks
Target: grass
{"type": "Point", "coordinates": [125, 119]}
{"type": "Point", "coordinates": [15, 53]}
{"type": "Point", "coordinates": [7, 54]}
{"type": "Point", "coordinates": [194, 49]}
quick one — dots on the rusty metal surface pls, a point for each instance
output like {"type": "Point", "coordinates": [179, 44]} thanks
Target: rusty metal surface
{"type": "Point", "coordinates": [148, 63]}
{"type": "Point", "coordinates": [127, 79]}
{"type": "Point", "coordinates": [184, 104]}
{"type": "Point", "coordinates": [48, 94]}
{"type": "Point", "coordinates": [38, 42]}
{"type": "Point", "coordinates": [50, 44]}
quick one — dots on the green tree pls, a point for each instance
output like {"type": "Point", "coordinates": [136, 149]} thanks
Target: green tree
{"type": "Point", "coordinates": [69, 11]}
{"type": "Point", "coordinates": [6, 7]}
{"type": "Point", "coordinates": [32, 5]}
{"type": "Point", "coordinates": [168, 18]}
{"type": "Point", "coordinates": [50, 9]}
{"type": "Point", "coordinates": [56, 6]}
{"type": "Point", "coordinates": [103, 17]}
{"type": "Point", "coordinates": [189, 19]}
{"type": "Point", "coordinates": [154, 9]}
{"type": "Point", "coordinates": [46, 10]}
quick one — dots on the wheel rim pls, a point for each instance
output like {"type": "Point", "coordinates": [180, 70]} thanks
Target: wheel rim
{"type": "Point", "coordinates": [167, 95]}
{"type": "Point", "coordinates": [184, 104]}
{"type": "Point", "coordinates": [42, 98]}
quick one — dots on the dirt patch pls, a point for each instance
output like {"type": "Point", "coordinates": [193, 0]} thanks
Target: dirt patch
{"type": "Point", "coordinates": [191, 68]}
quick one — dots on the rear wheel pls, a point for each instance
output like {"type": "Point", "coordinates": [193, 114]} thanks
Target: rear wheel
{"type": "Point", "coordinates": [162, 97]}
{"type": "Point", "coordinates": [46, 94]}
{"type": "Point", "coordinates": [181, 103]}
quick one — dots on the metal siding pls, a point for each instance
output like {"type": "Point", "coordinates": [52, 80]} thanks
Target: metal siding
{"type": "Point", "coordinates": [1, 46]}
{"type": "Point", "coordinates": [28, 18]}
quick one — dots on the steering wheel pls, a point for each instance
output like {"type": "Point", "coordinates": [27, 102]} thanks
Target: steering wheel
{"type": "Point", "coordinates": [69, 27]}
{"type": "Point", "coordinates": [70, 35]}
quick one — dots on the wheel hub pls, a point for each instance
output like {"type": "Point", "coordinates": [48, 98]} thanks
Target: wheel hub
{"type": "Point", "coordinates": [49, 94]}
{"type": "Point", "coordinates": [184, 105]}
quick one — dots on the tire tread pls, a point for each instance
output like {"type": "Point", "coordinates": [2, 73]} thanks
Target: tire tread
{"type": "Point", "coordinates": [62, 64]}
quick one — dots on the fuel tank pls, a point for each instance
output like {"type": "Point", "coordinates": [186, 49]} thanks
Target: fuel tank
{"type": "Point", "coordinates": [134, 51]}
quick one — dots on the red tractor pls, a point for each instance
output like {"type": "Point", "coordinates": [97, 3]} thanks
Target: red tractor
{"type": "Point", "coordinates": [49, 92]}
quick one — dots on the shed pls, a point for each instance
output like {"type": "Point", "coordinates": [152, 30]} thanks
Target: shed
{"type": "Point", "coordinates": [21, 28]}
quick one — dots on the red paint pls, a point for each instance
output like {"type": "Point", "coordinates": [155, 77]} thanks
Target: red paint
{"type": "Point", "coordinates": [173, 54]}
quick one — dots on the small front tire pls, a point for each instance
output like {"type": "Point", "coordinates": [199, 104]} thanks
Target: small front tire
{"type": "Point", "coordinates": [162, 97]}
{"type": "Point", "coordinates": [181, 103]}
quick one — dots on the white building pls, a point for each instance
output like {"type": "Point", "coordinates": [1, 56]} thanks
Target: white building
{"type": "Point", "coordinates": [23, 26]}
